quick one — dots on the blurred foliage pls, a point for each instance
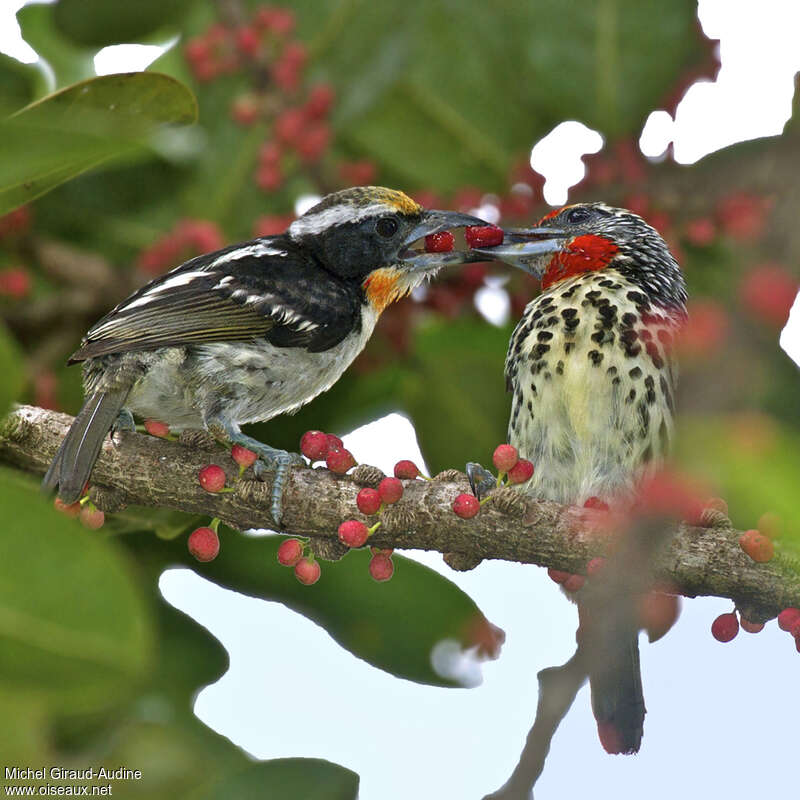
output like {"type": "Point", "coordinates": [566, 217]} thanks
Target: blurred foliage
{"type": "Point", "coordinates": [442, 101]}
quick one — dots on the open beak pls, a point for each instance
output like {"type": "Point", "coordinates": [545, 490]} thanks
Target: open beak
{"type": "Point", "coordinates": [523, 248]}
{"type": "Point", "coordinates": [434, 221]}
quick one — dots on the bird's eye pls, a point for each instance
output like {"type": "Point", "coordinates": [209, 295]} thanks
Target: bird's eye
{"type": "Point", "coordinates": [577, 215]}
{"type": "Point", "coordinates": [386, 227]}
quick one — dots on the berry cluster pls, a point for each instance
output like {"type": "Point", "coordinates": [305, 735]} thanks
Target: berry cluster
{"type": "Point", "coordinates": [296, 114]}
{"type": "Point", "coordinates": [16, 281]}
{"type": "Point", "coordinates": [188, 238]}
{"type": "Point", "coordinates": [510, 468]}
{"type": "Point", "coordinates": [204, 541]}
{"type": "Point", "coordinates": [90, 515]}
{"type": "Point", "coordinates": [319, 446]}
{"type": "Point", "coordinates": [294, 553]}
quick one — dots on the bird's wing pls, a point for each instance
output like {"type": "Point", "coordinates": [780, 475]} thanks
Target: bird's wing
{"type": "Point", "coordinates": [264, 288]}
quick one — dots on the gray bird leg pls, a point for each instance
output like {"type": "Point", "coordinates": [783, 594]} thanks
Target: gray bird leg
{"type": "Point", "coordinates": [481, 481]}
{"type": "Point", "coordinates": [270, 459]}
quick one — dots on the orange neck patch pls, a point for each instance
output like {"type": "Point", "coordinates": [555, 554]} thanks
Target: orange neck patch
{"type": "Point", "coordinates": [384, 286]}
{"type": "Point", "coordinates": [582, 254]}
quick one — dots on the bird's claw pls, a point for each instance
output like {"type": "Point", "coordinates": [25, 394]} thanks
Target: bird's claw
{"type": "Point", "coordinates": [481, 481]}
{"type": "Point", "coordinates": [124, 423]}
{"type": "Point", "coordinates": [277, 462]}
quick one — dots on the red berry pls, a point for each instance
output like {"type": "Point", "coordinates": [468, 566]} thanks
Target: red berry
{"type": "Point", "coordinates": [483, 235]}
{"type": "Point", "coordinates": [212, 478]}
{"type": "Point", "coordinates": [595, 566]}
{"type": "Point", "coordinates": [521, 471]}
{"type": "Point", "coordinates": [725, 627]}
{"type": "Point", "coordinates": [466, 506]}
{"type": "Point", "coordinates": [290, 552]}
{"type": "Point", "coordinates": [439, 242]}
{"type": "Point", "coordinates": [307, 571]}
{"type": "Point", "coordinates": [247, 40]}
{"type": "Point", "coordinates": [156, 428]}
{"type": "Point", "coordinates": [289, 125]}
{"type": "Point", "coordinates": [768, 292]}
{"type": "Point", "coordinates": [204, 544]}
{"type": "Point", "coordinates": [788, 617]}
{"type": "Point", "coordinates": [701, 232]}
{"type": "Point", "coordinates": [505, 457]}
{"type": "Point", "coordinates": [242, 456]}
{"type": "Point", "coordinates": [314, 445]}
{"type": "Point", "coordinates": [339, 460]}
{"type": "Point", "coordinates": [71, 510]}
{"type": "Point", "coordinates": [353, 533]}
{"type": "Point", "coordinates": [795, 629]}
{"type": "Point", "coordinates": [313, 142]}
{"type": "Point", "coordinates": [15, 282]}
{"type": "Point", "coordinates": [269, 177]}
{"type": "Point", "coordinates": [751, 627]}
{"type": "Point", "coordinates": [368, 501]}
{"type": "Point", "coordinates": [405, 469]}
{"type": "Point", "coordinates": [92, 518]}
{"type": "Point", "coordinates": [597, 503]}
{"type": "Point", "coordinates": [334, 441]}
{"type": "Point", "coordinates": [757, 546]}
{"type": "Point", "coordinates": [320, 100]}
{"type": "Point", "coordinates": [381, 567]}
{"type": "Point", "coordinates": [390, 490]}
{"type": "Point", "coordinates": [557, 575]}
{"type": "Point", "coordinates": [573, 583]}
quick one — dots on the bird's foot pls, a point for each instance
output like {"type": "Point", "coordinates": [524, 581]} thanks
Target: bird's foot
{"type": "Point", "coordinates": [124, 423]}
{"type": "Point", "coordinates": [481, 481]}
{"type": "Point", "coordinates": [272, 460]}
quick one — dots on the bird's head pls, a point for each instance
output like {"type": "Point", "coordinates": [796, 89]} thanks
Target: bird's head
{"type": "Point", "coordinates": [366, 234]}
{"type": "Point", "coordinates": [592, 237]}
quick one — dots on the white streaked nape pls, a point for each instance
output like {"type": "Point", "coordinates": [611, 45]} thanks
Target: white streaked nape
{"type": "Point", "coordinates": [322, 220]}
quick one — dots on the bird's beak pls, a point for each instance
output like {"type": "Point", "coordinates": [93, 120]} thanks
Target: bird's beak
{"type": "Point", "coordinates": [435, 221]}
{"type": "Point", "coordinates": [523, 248]}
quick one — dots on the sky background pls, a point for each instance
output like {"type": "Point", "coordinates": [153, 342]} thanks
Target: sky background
{"type": "Point", "coordinates": [722, 719]}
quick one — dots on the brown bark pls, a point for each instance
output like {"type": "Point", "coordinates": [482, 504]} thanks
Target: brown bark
{"type": "Point", "coordinates": [145, 471]}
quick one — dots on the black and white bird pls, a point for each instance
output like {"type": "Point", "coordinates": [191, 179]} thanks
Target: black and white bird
{"type": "Point", "coordinates": [251, 331]}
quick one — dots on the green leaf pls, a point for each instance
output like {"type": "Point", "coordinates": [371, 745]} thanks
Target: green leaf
{"type": "Point", "coordinates": [18, 84]}
{"type": "Point", "coordinates": [446, 96]}
{"type": "Point", "coordinates": [751, 459]}
{"type": "Point", "coordinates": [10, 369]}
{"type": "Point", "coordinates": [68, 63]}
{"type": "Point", "coordinates": [99, 23]}
{"type": "Point", "coordinates": [456, 393]}
{"type": "Point", "coordinates": [74, 629]}
{"type": "Point", "coordinates": [77, 128]}
{"type": "Point", "coordinates": [287, 779]}
{"type": "Point", "coordinates": [393, 626]}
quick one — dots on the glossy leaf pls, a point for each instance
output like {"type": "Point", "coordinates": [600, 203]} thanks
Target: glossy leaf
{"type": "Point", "coordinates": [393, 626]}
{"type": "Point", "coordinates": [98, 23]}
{"type": "Point", "coordinates": [74, 630]}
{"type": "Point", "coordinates": [287, 779]}
{"type": "Point", "coordinates": [68, 62]}
{"type": "Point", "coordinates": [75, 129]}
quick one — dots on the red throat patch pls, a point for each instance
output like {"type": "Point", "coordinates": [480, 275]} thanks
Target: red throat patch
{"type": "Point", "coordinates": [582, 254]}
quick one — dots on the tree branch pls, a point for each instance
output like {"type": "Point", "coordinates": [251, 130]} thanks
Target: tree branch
{"type": "Point", "coordinates": [145, 471]}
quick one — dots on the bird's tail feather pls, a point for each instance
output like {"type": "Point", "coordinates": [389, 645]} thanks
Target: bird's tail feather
{"type": "Point", "coordinates": [617, 697]}
{"type": "Point", "coordinates": [75, 458]}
